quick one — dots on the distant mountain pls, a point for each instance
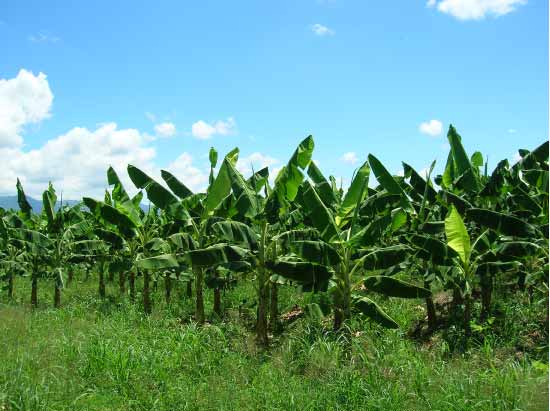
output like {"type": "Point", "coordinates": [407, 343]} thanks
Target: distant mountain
{"type": "Point", "coordinates": [7, 202]}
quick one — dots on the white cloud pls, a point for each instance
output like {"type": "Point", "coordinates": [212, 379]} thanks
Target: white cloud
{"type": "Point", "coordinates": [512, 131]}
{"type": "Point", "coordinates": [24, 99]}
{"type": "Point", "coordinates": [432, 128]}
{"type": "Point", "coordinates": [321, 30]}
{"type": "Point", "coordinates": [430, 3]}
{"type": "Point", "coordinates": [349, 157]}
{"type": "Point", "coordinates": [165, 129]}
{"type": "Point", "coordinates": [43, 38]}
{"type": "Point", "coordinates": [477, 9]}
{"type": "Point", "coordinates": [187, 173]}
{"type": "Point", "coordinates": [255, 161]}
{"type": "Point", "coordinates": [203, 130]}
{"type": "Point", "coordinates": [75, 162]}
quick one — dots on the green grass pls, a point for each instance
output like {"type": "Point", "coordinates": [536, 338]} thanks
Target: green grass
{"type": "Point", "coordinates": [106, 355]}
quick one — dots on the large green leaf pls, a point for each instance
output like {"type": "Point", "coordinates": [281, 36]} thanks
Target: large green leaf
{"type": "Point", "coordinates": [24, 205]}
{"type": "Point", "coordinates": [457, 235]}
{"type": "Point", "coordinates": [433, 250]}
{"type": "Point", "coordinates": [517, 249]}
{"type": "Point", "coordinates": [159, 262]}
{"type": "Point", "coordinates": [156, 193]}
{"type": "Point", "coordinates": [374, 312]}
{"type": "Point", "coordinates": [303, 272]}
{"type": "Point", "coordinates": [418, 183]}
{"type": "Point", "coordinates": [259, 179]}
{"type": "Point", "coordinates": [177, 187]}
{"type": "Point", "coordinates": [319, 214]}
{"type": "Point", "coordinates": [387, 181]}
{"type": "Point", "coordinates": [297, 235]}
{"type": "Point", "coordinates": [290, 177]}
{"type": "Point", "coordinates": [235, 232]}
{"type": "Point", "coordinates": [119, 193]}
{"type": "Point", "coordinates": [386, 257]}
{"type": "Point", "coordinates": [372, 233]}
{"type": "Point", "coordinates": [116, 217]}
{"type": "Point", "coordinates": [216, 255]}
{"type": "Point", "coordinates": [110, 237]}
{"type": "Point", "coordinates": [357, 191]}
{"type": "Point", "coordinates": [322, 186]}
{"type": "Point", "coordinates": [502, 223]}
{"type": "Point", "coordinates": [48, 200]}
{"type": "Point", "coordinates": [462, 166]}
{"type": "Point", "coordinates": [221, 185]}
{"type": "Point", "coordinates": [32, 237]}
{"type": "Point", "coordinates": [392, 287]}
{"type": "Point", "coordinates": [317, 252]}
{"type": "Point", "coordinates": [494, 186]}
{"type": "Point", "coordinates": [458, 202]}
{"type": "Point", "coordinates": [182, 242]}
{"type": "Point", "coordinates": [247, 201]}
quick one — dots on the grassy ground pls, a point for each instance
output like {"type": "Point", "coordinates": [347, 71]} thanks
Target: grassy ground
{"type": "Point", "coordinates": [105, 355]}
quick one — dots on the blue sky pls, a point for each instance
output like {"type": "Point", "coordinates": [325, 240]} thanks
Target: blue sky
{"type": "Point", "coordinates": [157, 84]}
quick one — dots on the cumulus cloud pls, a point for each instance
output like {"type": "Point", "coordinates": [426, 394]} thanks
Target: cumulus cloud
{"type": "Point", "coordinates": [255, 161]}
{"type": "Point", "coordinates": [321, 30]}
{"type": "Point", "coordinates": [193, 177]}
{"type": "Point", "coordinates": [165, 129]}
{"type": "Point", "coordinates": [476, 9]}
{"type": "Point", "coordinates": [431, 128]}
{"type": "Point", "coordinates": [203, 130]}
{"type": "Point", "coordinates": [349, 157]}
{"type": "Point", "coordinates": [24, 99]}
{"type": "Point", "coordinates": [75, 162]}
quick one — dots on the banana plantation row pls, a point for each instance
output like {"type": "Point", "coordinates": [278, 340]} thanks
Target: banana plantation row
{"type": "Point", "coordinates": [463, 232]}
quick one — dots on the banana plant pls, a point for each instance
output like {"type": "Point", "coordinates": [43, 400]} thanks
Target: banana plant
{"type": "Point", "coordinates": [127, 228]}
{"type": "Point", "coordinates": [195, 214]}
{"type": "Point", "coordinates": [338, 261]}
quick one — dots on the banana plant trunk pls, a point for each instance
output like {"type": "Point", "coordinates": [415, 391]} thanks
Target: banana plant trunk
{"type": "Point", "coordinates": [122, 282]}
{"type": "Point", "coordinates": [10, 285]}
{"type": "Point", "coordinates": [430, 308]}
{"type": "Point", "coordinates": [342, 311]}
{"type": "Point", "coordinates": [274, 308]}
{"type": "Point", "coordinates": [167, 288]}
{"type": "Point", "coordinates": [199, 303]}
{"type": "Point", "coordinates": [132, 285]}
{"type": "Point", "coordinates": [457, 299]}
{"type": "Point", "coordinates": [101, 283]}
{"type": "Point", "coordinates": [189, 290]}
{"type": "Point", "coordinates": [57, 295]}
{"type": "Point", "coordinates": [34, 291]}
{"type": "Point", "coordinates": [217, 302]}
{"type": "Point", "coordinates": [70, 276]}
{"type": "Point", "coordinates": [147, 292]}
{"type": "Point", "coordinates": [263, 293]}
{"type": "Point", "coordinates": [467, 315]}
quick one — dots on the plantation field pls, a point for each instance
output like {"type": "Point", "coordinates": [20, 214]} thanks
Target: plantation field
{"type": "Point", "coordinates": [94, 354]}
{"type": "Point", "coordinates": [397, 293]}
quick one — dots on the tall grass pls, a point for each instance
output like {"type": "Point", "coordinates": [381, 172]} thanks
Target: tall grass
{"type": "Point", "coordinates": [106, 355]}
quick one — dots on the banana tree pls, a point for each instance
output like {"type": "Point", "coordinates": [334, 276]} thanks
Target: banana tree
{"type": "Point", "coordinates": [127, 228]}
{"type": "Point", "coordinates": [338, 261]}
{"type": "Point", "coordinates": [196, 214]}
